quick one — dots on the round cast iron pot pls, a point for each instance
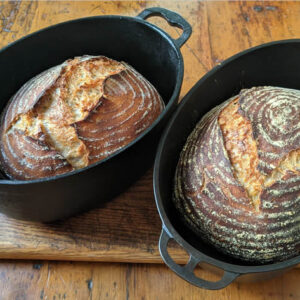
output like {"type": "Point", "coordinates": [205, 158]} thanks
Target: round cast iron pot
{"type": "Point", "coordinates": [148, 49]}
{"type": "Point", "coordinates": [275, 64]}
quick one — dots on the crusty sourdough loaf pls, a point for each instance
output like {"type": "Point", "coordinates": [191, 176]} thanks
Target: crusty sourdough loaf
{"type": "Point", "coordinates": [237, 182]}
{"type": "Point", "coordinates": [73, 115]}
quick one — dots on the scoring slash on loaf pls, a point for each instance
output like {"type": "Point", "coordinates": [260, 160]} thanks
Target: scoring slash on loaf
{"type": "Point", "coordinates": [237, 182]}
{"type": "Point", "coordinates": [73, 115]}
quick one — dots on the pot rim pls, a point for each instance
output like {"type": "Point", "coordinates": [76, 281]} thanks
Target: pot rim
{"type": "Point", "coordinates": [167, 225]}
{"type": "Point", "coordinates": [172, 99]}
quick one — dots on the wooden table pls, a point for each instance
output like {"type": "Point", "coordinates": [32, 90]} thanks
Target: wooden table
{"type": "Point", "coordinates": [220, 29]}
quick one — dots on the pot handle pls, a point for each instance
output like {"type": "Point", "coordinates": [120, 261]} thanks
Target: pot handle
{"type": "Point", "coordinates": [172, 18]}
{"type": "Point", "coordinates": [187, 271]}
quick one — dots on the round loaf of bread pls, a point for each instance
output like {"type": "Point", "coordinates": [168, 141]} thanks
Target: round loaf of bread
{"type": "Point", "coordinates": [237, 182]}
{"type": "Point", "coordinates": [73, 115]}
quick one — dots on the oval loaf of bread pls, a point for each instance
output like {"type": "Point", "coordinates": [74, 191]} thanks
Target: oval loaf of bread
{"type": "Point", "coordinates": [73, 115]}
{"type": "Point", "coordinates": [237, 182]}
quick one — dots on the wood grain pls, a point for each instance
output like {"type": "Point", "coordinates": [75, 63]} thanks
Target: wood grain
{"type": "Point", "coordinates": [127, 228]}
{"type": "Point", "coordinates": [81, 280]}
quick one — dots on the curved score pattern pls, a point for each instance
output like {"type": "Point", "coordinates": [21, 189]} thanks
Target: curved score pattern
{"type": "Point", "coordinates": [274, 115]}
{"type": "Point", "coordinates": [73, 115]}
{"type": "Point", "coordinates": [237, 182]}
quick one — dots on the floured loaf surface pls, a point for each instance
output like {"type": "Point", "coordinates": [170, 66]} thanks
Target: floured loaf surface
{"type": "Point", "coordinates": [73, 115]}
{"type": "Point", "coordinates": [237, 182]}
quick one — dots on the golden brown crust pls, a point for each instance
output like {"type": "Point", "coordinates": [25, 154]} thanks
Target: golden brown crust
{"type": "Point", "coordinates": [242, 150]}
{"type": "Point", "coordinates": [81, 111]}
{"type": "Point", "coordinates": [237, 182]}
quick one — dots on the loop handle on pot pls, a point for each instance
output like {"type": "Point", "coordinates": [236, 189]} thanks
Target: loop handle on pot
{"type": "Point", "coordinates": [172, 18]}
{"type": "Point", "coordinates": [187, 271]}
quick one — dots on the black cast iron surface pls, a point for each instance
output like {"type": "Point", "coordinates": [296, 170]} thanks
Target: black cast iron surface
{"type": "Point", "coordinates": [275, 64]}
{"type": "Point", "coordinates": [144, 46]}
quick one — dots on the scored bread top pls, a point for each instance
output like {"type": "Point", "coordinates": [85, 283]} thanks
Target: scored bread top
{"type": "Point", "coordinates": [73, 115]}
{"type": "Point", "coordinates": [237, 182]}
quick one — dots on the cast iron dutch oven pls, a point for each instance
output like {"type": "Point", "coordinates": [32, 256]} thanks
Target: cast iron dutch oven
{"type": "Point", "coordinates": [275, 64]}
{"type": "Point", "coordinates": [144, 46]}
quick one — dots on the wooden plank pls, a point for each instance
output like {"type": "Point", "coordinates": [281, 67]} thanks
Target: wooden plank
{"type": "Point", "coordinates": [81, 280]}
{"type": "Point", "coordinates": [125, 229]}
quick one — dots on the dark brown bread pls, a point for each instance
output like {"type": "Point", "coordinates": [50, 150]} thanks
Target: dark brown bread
{"type": "Point", "coordinates": [237, 182]}
{"type": "Point", "coordinates": [73, 115]}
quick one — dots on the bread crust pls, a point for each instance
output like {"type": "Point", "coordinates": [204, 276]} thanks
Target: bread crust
{"type": "Point", "coordinates": [215, 198]}
{"type": "Point", "coordinates": [73, 115]}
